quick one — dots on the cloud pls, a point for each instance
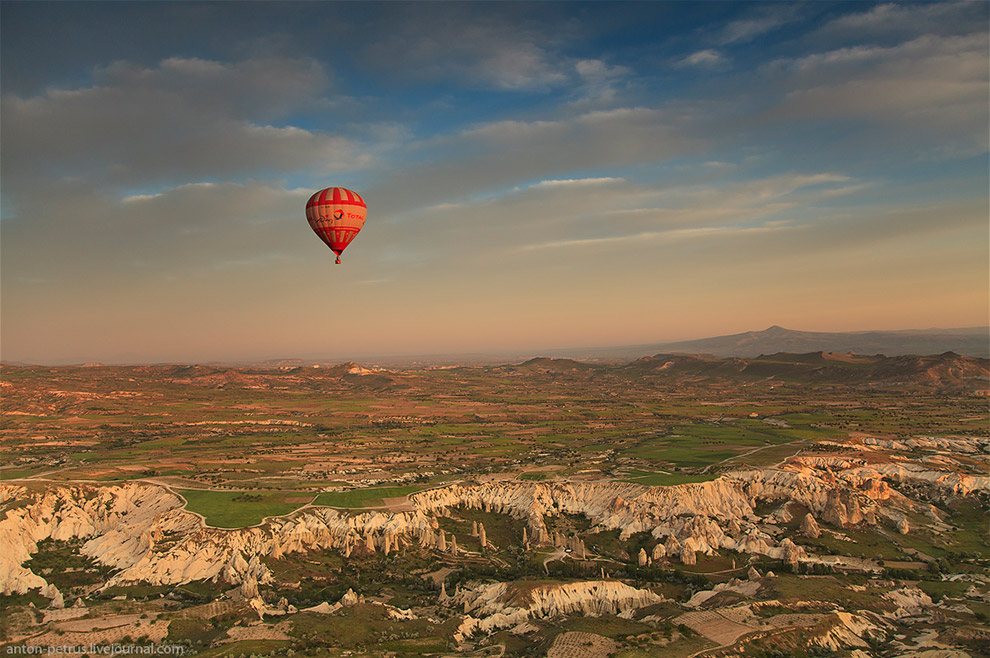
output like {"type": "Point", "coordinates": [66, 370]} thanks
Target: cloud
{"type": "Point", "coordinates": [723, 240]}
{"type": "Point", "coordinates": [597, 70]}
{"type": "Point", "coordinates": [763, 20]}
{"type": "Point", "coordinates": [708, 58]}
{"type": "Point", "coordinates": [187, 119]}
{"type": "Point", "coordinates": [502, 50]}
{"type": "Point", "coordinates": [506, 47]}
{"type": "Point", "coordinates": [658, 237]}
{"type": "Point", "coordinates": [495, 156]}
{"type": "Point", "coordinates": [598, 82]}
{"type": "Point", "coordinates": [80, 233]}
{"type": "Point", "coordinates": [898, 21]}
{"type": "Point", "coordinates": [933, 85]}
{"type": "Point", "coordinates": [578, 182]}
{"type": "Point", "coordinates": [607, 212]}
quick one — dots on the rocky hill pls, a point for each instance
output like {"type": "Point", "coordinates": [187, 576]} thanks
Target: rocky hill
{"type": "Point", "coordinates": [549, 365]}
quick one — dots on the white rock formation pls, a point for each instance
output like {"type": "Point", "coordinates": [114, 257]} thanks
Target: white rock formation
{"type": "Point", "coordinates": [743, 587]}
{"type": "Point", "coordinates": [494, 606]}
{"type": "Point", "coordinates": [126, 527]}
{"type": "Point", "coordinates": [143, 531]}
{"type": "Point", "coordinates": [123, 522]}
{"type": "Point", "coordinates": [910, 601]}
{"type": "Point", "coordinates": [809, 527]}
{"type": "Point", "coordinates": [846, 630]}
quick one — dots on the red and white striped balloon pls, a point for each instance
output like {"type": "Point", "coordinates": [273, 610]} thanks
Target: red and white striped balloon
{"type": "Point", "coordinates": [336, 215]}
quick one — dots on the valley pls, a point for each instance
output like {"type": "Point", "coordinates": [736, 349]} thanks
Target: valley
{"type": "Point", "coordinates": [813, 505]}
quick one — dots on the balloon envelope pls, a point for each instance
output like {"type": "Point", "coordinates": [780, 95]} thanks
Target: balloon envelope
{"type": "Point", "coordinates": [336, 215]}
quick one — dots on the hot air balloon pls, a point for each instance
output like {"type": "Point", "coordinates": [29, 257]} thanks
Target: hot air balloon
{"type": "Point", "coordinates": [336, 215]}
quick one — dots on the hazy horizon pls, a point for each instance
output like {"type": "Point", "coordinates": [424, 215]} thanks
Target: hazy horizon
{"type": "Point", "coordinates": [539, 176]}
{"type": "Point", "coordinates": [446, 358]}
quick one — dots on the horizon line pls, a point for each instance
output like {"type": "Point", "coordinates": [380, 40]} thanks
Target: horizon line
{"type": "Point", "coordinates": [496, 355]}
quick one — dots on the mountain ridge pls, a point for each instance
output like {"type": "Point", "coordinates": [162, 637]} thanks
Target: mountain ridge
{"type": "Point", "coordinates": [967, 341]}
{"type": "Point", "coordinates": [973, 341]}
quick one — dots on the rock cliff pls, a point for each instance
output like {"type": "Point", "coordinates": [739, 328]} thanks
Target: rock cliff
{"type": "Point", "coordinates": [489, 607]}
{"type": "Point", "coordinates": [123, 522]}
{"type": "Point", "coordinates": [144, 532]}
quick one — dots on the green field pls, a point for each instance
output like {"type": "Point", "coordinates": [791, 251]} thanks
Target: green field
{"type": "Point", "coordinates": [533, 475]}
{"type": "Point", "coordinates": [699, 445]}
{"type": "Point", "coordinates": [683, 451]}
{"type": "Point", "coordinates": [666, 479]}
{"type": "Point", "coordinates": [235, 509]}
{"type": "Point", "coordinates": [364, 497]}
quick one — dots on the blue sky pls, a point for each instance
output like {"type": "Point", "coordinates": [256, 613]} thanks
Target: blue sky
{"type": "Point", "coordinates": [538, 175]}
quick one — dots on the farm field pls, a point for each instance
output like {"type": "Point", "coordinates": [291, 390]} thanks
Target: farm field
{"type": "Point", "coordinates": [229, 509]}
{"type": "Point", "coordinates": [326, 432]}
{"type": "Point", "coordinates": [364, 497]}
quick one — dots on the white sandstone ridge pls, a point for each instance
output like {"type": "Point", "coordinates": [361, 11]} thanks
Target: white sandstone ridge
{"type": "Point", "coordinates": [856, 470]}
{"type": "Point", "coordinates": [127, 513]}
{"type": "Point", "coordinates": [142, 531]}
{"type": "Point", "coordinates": [959, 484]}
{"type": "Point", "coordinates": [701, 534]}
{"type": "Point", "coordinates": [910, 601]}
{"type": "Point", "coordinates": [955, 444]}
{"type": "Point", "coordinates": [843, 630]}
{"type": "Point", "coordinates": [235, 556]}
{"type": "Point", "coordinates": [625, 506]}
{"type": "Point", "coordinates": [704, 517]}
{"type": "Point", "coordinates": [489, 607]}
{"type": "Point", "coordinates": [350, 598]}
{"type": "Point", "coordinates": [746, 588]}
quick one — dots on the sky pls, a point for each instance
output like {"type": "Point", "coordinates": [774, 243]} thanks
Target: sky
{"type": "Point", "coordinates": [539, 175]}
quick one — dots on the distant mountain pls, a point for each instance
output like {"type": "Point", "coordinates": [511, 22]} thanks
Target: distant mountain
{"type": "Point", "coordinates": [949, 371]}
{"type": "Point", "coordinates": [970, 342]}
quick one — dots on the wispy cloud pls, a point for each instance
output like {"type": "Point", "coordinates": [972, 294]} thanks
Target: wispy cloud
{"type": "Point", "coordinates": [708, 58]}
{"type": "Point", "coordinates": [185, 119]}
{"type": "Point", "coordinates": [577, 182]}
{"type": "Point", "coordinates": [504, 154]}
{"type": "Point", "coordinates": [761, 21]}
{"type": "Point", "coordinates": [900, 21]}
{"type": "Point", "coordinates": [936, 86]}
{"type": "Point", "coordinates": [447, 44]}
{"type": "Point", "coordinates": [674, 235]}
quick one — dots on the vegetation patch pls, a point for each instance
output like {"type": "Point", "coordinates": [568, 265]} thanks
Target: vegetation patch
{"type": "Point", "coordinates": [60, 563]}
{"type": "Point", "coordinates": [363, 625]}
{"type": "Point", "coordinates": [372, 497]}
{"type": "Point", "coordinates": [234, 509]}
{"type": "Point", "coordinates": [248, 648]}
{"type": "Point", "coordinates": [606, 625]}
{"type": "Point", "coordinates": [533, 475]}
{"type": "Point", "coordinates": [667, 479]}
{"type": "Point", "coordinates": [193, 632]}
